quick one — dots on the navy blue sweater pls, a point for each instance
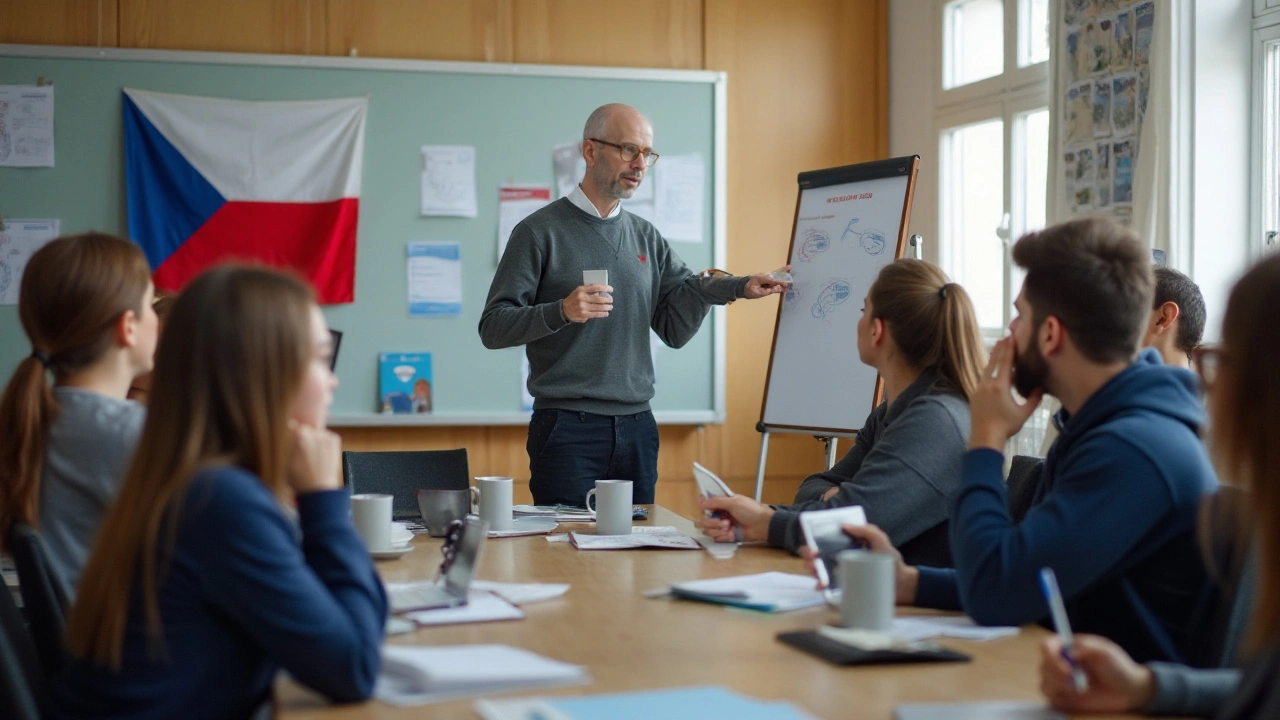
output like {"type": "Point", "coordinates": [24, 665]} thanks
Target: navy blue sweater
{"type": "Point", "coordinates": [1114, 517]}
{"type": "Point", "coordinates": [241, 600]}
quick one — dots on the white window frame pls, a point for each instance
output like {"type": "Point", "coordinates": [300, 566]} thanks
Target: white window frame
{"type": "Point", "coordinates": [1016, 91]}
{"type": "Point", "coordinates": [1266, 29]}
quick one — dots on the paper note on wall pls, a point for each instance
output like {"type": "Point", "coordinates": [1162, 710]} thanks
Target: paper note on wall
{"type": "Point", "coordinates": [26, 126]}
{"type": "Point", "coordinates": [681, 182]}
{"type": "Point", "coordinates": [19, 239]}
{"type": "Point", "coordinates": [449, 180]}
{"type": "Point", "coordinates": [515, 203]}
{"type": "Point", "coordinates": [435, 278]}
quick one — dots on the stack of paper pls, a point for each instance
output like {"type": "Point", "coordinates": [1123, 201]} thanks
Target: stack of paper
{"type": "Point", "coordinates": [559, 513]}
{"type": "Point", "coordinates": [661, 537]}
{"type": "Point", "coordinates": [480, 607]}
{"type": "Point", "coordinates": [769, 592]}
{"type": "Point", "coordinates": [414, 675]}
{"type": "Point", "coordinates": [697, 703]}
{"type": "Point", "coordinates": [920, 627]}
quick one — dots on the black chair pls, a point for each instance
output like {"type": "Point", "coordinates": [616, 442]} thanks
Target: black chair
{"type": "Point", "coordinates": [44, 594]}
{"type": "Point", "coordinates": [23, 687]}
{"type": "Point", "coordinates": [402, 473]}
{"type": "Point", "coordinates": [1022, 484]}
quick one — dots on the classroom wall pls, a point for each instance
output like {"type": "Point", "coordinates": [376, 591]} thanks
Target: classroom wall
{"type": "Point", "coordinates": [808, 88]}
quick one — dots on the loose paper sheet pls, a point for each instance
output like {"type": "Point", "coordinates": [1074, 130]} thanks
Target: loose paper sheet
{"type": "Point", "coordinates": [435, 278]}
{"type": "Point", "coordinates": [449, 180]}
{"type": "Point", "coordinates": [26, 126]}
{"type": "Point", "coordinates": [569, 166]}
{"type": "Point", "coordinates": [19, 239]}
{"type": "Point", "coordinates": [678, 194]}
{"type": "Point", "coordinates": [515, 203]}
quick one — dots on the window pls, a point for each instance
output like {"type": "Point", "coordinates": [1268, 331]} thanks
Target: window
{"type": "Point", "coordinates": [1267, 135]}
{"type": "Point", "coordinates": [993, 145]}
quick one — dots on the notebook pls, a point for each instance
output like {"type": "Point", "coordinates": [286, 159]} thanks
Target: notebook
{"type": "Point", "coordinates": [660, 537]}
{"type": "Point", "coordinates": [767, 592]}
{"type": "Point", "coordinates": [415, 675]}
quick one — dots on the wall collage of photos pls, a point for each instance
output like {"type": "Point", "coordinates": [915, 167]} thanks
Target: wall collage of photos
{"type": "Point", "coordinates": [1106, 81]}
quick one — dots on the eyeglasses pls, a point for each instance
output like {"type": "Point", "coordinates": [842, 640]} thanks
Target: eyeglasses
{"type": "Point", "coordinates": [1208, 360]}
{"type": "Point", "coordinates": [629, 152]}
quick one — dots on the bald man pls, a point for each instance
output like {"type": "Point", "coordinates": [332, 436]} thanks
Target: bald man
{"type": "Point", "coordinates": [590, 371]}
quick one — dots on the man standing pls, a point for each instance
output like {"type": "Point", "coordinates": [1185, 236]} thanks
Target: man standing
{"type": "Point", "coordinates": [590, 371]}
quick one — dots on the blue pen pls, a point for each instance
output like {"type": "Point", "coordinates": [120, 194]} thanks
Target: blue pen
{"type": "Point", "coordinates": [1052, 595]}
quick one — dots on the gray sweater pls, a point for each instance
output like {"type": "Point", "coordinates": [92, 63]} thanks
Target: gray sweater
{"type": "Point", "coordinates": [601, 366]}
{"type": "Point", "coordinates": [903, 469]}
{"type": "Point", "coordinates": [90, 445]}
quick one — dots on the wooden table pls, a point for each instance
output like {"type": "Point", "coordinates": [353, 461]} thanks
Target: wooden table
{"type": "Point", "coordinates": [629, 642]}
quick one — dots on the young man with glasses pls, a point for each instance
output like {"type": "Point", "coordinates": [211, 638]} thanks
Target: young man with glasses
{"type": "Point", "coordinates": [590, 369]}
{"type": "Point", "coordinates": [1115, 513]}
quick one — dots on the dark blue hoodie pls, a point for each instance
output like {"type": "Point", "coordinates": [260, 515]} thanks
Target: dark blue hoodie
{"type": "Point", "coordinates": [1114, 517]}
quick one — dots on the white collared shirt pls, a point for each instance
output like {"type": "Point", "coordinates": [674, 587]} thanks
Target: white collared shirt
{"type": "Point", "coordinates": [580, 199]}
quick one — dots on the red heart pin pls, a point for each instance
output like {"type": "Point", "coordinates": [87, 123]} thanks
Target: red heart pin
{"type": "Point", "coordinates": [641, 258]}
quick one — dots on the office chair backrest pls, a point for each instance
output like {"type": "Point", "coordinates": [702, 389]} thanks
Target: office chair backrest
{"type": "Point", "coordinates": [23, 688]}
{"type": "Point", "coordinates": [44, 594]}
{"type": "Point", "coordinates": [402, 473]}
{"type": "Point", "coordinates": [1024, 478]}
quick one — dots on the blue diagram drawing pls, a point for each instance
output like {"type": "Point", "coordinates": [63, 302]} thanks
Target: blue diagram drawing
{"type": "Point", "coordinates": [791, 296]}
{"type": "Point", "coordinates": [834, 293]}
{"type": "Point", "coordinates": [872, 241]}
{"type": "Point", "coordinates": [815, 241]}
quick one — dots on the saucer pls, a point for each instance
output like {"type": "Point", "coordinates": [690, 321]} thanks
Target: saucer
{"type": "Point", "coordinates": [393, 553]}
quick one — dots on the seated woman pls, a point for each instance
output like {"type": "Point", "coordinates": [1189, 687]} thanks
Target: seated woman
{"type": "Point", "coordinates": [141, 385]}
{"type": "Point", "coordinates": [920, 332]}
{"type": "Point", "coordinates": [1244, 405]}
{"type": "Point", "coordinates": [85, 305]}
{"type": "Point", "coordinates": [203, 587]}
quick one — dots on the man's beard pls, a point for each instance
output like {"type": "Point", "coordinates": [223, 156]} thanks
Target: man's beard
{"type": "Point", "coordinates": [1030, 371]}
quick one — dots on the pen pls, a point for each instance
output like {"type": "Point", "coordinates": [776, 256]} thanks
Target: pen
{"type": "Point", "coordinates": [1049, 584]}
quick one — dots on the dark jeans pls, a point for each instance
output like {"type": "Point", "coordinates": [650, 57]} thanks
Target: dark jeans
{"type": "Point", "coordinates": [570, 450]}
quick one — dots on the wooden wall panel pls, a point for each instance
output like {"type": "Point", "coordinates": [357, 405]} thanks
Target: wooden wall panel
{"type": "Point", "coordinates": [295, 27]}
{"type": "Point", "coordinates": [475, 30]}
{"type": "Point", "coordinates": [637, 33]}
{"type": "Point", "coordinates": [59, 22]}
{"type": "Point", "coordinates": [806, 82]}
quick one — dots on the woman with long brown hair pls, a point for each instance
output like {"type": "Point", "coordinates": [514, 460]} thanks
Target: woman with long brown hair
{"type": "Point", "coordinates": [203, 587]}
{"type": "Point", "coordinates": [1243, 390]}
{"type": "Point", "coordinates": [919, 331]}
{"type": "Point", "coordinates": [85, 305]}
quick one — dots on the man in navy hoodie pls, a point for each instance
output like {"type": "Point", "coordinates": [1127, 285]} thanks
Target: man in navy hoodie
{"type": "Point", "coordinates": [1115, 513]}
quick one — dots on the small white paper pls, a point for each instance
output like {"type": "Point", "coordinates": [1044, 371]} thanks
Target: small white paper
{"type": "Point", "coordinates": [19, 240]}
{"type": "Point", "coordinates": [480, 607]}
{"type": "Point", "coordinates": [678, 195]}
{"type": "Point", "coordinates": [26, 126]}
{"type": "Point", "coordinates": [435, 278]}
{"type": "Point", "coordinates": [569, 166]}
{"type": "Point", "coordinates": [522, 593]}
{"type": "Point", "coordinates": [449, 180]}
{"type": "Point", "coordinates": [922, 627]}
{"type": "Point", "coordinates": [515, 203]}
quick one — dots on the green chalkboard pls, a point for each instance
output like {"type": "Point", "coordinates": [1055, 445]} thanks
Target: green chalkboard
{"type": "Point", "coordinates": [512, 114]}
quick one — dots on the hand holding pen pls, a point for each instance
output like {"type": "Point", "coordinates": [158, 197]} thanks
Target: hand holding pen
{"type": "Point", "coordinates": [1058, 610]}
{"type": "Point", "coordinates": [1116, 683]}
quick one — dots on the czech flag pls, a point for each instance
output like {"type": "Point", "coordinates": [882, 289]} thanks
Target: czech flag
{"type": "Point", "coordinates": [211, 180]}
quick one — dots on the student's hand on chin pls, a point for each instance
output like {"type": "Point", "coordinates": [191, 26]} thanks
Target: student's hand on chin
{"type": "Point", "coordinates": [743, 512]}
{"type": "Point", "coordinates": [1116, 682]}
{"type": "Point", "coordinates": [314, 459]}
{"type": "Point", "coordinates": [995, 415]}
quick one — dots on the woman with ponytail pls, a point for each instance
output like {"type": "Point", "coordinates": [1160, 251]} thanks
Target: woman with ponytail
{"type": "Point", "coordinates": [85, 305]}
{"type": "Point", "coordinates": [920, 332]}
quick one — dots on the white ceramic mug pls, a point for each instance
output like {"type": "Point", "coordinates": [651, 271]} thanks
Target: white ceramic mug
{"type": "Point", "coordinates": [495, 501]}
{"type": "Point", "coordinates": [866, 587]}
{"type": "Point", "coordinates": [613, 507]}
{"type": "Point", "coordinates": [371, 514]}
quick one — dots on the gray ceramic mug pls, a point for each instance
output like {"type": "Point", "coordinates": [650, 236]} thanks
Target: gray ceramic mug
{"type": "Point", "coordinates": [441, 507]}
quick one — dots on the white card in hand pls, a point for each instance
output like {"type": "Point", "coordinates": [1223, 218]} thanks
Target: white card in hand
{"type": "Point", "coordinates": [595, 277]}
{"type": "Point", "coordinates": [824, 532]}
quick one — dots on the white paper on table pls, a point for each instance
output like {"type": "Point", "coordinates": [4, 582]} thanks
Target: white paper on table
{"type": "Point", "coordinates": [480, 607]}
{"type": "Point", "coordinates": [26, 126]}
{"type": "Point", "coordinates": [644, 536]}
{"type": "Point", "coordinates": [515, 203]}
{"type": "Point", "coordinates": [918, 627]}
{"type": "Point", "coordinates": [435, 278]}
{"type": "Point", "coordinates": [19, 240]}
{"type": "Point", "coordinates": [449, 180]}
{"type": "Point", "coordinates": [681, 181]}
{"type": "Point", "coordinates": [522, 593]}
{"type": "Point", "coordinates": [778, 590]}
{"type": "Point", "coordinates": [569, 166]}
{"type": "Point", "coordinates": [415, 675]}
